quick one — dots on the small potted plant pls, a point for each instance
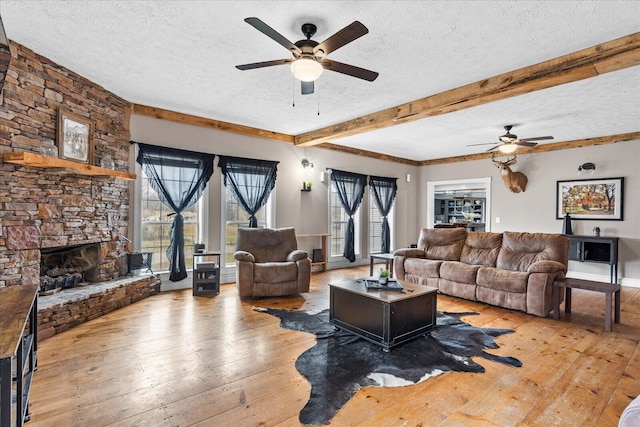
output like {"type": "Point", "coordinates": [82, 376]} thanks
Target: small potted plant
{"type": "Point", "coordinates": [309, 184]}
{"type": "Point", "coordinates": [383, 276]}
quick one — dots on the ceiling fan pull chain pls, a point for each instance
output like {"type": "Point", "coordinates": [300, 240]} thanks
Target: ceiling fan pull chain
{"type": "Point", "coordinates": [294, 92]}
{"type": "Point", "coordinates": [318, 96]}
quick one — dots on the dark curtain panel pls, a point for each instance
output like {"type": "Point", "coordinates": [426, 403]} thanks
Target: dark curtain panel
{"type": "Point", "coordinates": [350, 188]}
{"type": "Point", "coordinates": [384, 193]}
{"type": "Point", "coordinates": [179, 177]}
{"type": "Point", "coordinates": [250, 181]}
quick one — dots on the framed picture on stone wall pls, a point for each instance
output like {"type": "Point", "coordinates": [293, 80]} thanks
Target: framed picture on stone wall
{"type": "Point", "coordinates": [75, 137]}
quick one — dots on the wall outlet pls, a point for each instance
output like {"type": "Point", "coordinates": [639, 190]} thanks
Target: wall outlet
{"type": "Point", "coordinates": [497, 220]}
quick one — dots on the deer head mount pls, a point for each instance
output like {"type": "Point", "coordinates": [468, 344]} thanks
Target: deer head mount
{"type": "Point", "coordinates": [515, 181]}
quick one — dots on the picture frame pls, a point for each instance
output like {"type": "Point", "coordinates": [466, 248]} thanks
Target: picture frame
{"type": "Point", "coordinates": [74, 137]}
{"type": "Point", "coordinates": [590, 199]}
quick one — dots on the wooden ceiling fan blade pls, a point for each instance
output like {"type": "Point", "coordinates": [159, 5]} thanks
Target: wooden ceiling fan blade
{"type": "Point", "coordinates": [273, 34]}
{"type": "Point", "coordinates": [350, 70]}
{"type": "Point", "coordinates": [263, 64]}
{"type": "Point", "coordinates": [538, 138]}
{"type": "Point", "coordinates": [346, 35]}
{"type": "Point", "coordinates": [484, 143]}
{"type": "Point", "coordinates": [307, 88]}
{"type": "Point", "coordinates": [526, 144]}
{"type": "Point", "coordinates": [493, 148]}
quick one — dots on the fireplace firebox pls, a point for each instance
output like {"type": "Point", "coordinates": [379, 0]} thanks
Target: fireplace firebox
{"type": "Point", "coordinates": [68, 266]}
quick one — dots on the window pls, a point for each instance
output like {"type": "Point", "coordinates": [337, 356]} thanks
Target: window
{"type": "Point", "coordinates": [156, 225]}
{"type": "Point", "coordinates": [375, 226]}
{"type": "Point", "coordinates": [238, 217]}
{"type": "Point", "coordinates": [338, 226]}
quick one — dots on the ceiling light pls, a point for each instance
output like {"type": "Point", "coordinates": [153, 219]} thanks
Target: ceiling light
{"type": "Point", "coordinates": [306, 70]}
{"type": "Point", "coordinates": [508, 148]}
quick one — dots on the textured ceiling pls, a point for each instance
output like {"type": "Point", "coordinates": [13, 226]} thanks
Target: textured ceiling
{"type": "Point", "coordinates": [181, 56]}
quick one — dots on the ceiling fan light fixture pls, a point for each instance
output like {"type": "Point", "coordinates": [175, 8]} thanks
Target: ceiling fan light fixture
{"type": "Point", "coordinates": [508, 148]}
{"type": "Point", "coordinates": [306, 69]}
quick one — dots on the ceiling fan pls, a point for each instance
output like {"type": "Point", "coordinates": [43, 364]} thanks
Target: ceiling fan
{"type": "Point", "coordinates": [510, 142]}
{"type": "Point", "coordinates": [309, 60]}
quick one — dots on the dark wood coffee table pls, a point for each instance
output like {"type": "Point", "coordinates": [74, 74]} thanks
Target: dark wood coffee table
{"type": "Point", "coordinates": [387, 318]}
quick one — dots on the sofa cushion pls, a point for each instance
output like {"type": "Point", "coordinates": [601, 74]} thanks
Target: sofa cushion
{"type": "Point", "coordinates": [275, 272]}
{"type": "Point", "coordinates": [503, 280]}
{"type": "Point", "coordinates": [422, 267]}
{"type": "Point", "coordinates": [481, 248]}
{"type": "Point", "coordinates": [462, 290]}
{"type": "Point", "coordinates": [520, 250]}
{"type": "Point", "coordinates": [459, 272]}
{"type": "Point", "coordinates": [511, 300]}
{"type": "Point", "coordinates": [442, 243]}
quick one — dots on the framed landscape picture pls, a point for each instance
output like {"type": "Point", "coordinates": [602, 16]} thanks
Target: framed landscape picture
{"type": "Point", "coordinates": [75, 137]}
{"type": "Point", "coordinates": [599, 199]}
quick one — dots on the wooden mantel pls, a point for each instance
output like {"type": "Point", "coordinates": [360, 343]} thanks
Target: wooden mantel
{"type": "Point", "coordinates": [40, 161]}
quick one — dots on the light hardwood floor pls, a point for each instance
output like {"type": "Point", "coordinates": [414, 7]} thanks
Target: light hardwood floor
{"type": "Point", "coordinates": [177, 360]}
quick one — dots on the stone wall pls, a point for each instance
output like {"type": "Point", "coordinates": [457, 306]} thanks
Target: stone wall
{"type": "Point", "coordinates": [43, 208]}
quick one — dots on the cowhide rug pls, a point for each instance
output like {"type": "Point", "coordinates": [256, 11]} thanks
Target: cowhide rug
{"type": "Point", "coordinates": [341, 363]}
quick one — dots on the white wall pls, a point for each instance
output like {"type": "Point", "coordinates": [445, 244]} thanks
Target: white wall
{"type": "Point", "coordinates": [306, 211]}
{"type": "Point", "coordinates": [534, 210]}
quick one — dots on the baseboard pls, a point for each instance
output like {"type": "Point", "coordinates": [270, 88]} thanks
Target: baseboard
{"type": "Point", "coordinates": [624, 281]}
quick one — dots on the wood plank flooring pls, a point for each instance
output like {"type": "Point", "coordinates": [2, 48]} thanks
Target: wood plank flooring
{"type": "Point", "coordinates": [178, 360]}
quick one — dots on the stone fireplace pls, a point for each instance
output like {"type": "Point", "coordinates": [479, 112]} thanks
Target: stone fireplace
{"type": "Point", "coordinates": [46, 212]}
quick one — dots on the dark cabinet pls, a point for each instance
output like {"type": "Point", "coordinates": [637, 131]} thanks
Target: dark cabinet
{"type": "Point", "coordinates": [596, 249]}
{"type": "Point", "coordinates": [206, 273]}
{"type": "Point", "coordinates": [18, 351]}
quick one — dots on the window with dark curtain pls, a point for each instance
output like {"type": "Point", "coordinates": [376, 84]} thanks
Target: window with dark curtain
{"type": "Point", "coordinates": [384, 193]}
{"type": "Point", "coordinates": [350, 188]}
{"type": "Point", "coordinates": [251, 182]}
{"type": "Point", "coordinates": [179, 177]}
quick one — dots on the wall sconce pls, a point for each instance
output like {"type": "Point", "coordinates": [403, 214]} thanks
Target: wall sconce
{"type": "Point", "coordinates": [306, 164]}
{"type": "Point", "coordinates": [587, 167]}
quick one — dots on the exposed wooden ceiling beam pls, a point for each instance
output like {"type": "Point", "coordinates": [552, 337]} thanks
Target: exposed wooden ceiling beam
{"type": "Point", "coordinates": [591, 62]}
{"type": "Point", "coordinates": [370, 154]}
{"type": "Point", "coordinates": [259, 133]}
{"type": "Point", "coordinates": [188, 119]}
{"type": "Point", "coordinates": [541, 148]}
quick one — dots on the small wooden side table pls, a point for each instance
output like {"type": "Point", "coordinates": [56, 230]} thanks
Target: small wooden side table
{"type": "Point", "coordinates": [608, 289]}
{"type": "Point", "coordinates": [388, 262]}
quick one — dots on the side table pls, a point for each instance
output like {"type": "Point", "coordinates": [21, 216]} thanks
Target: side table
{"type": "Point", "coordinates": [18, 352]}
{"type": "Point", "coordinates": [607, 288]}
{"type": "Point", "coordinates": [206, 274]}
{"type": "Point", "coordinates": [388, 262]}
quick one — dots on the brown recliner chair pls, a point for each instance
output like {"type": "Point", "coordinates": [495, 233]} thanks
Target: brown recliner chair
{"type": "Point", "coordinates": [268, 263]}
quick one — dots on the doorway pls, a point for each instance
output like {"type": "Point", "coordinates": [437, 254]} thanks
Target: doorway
{"type": "Point", "coordinates": [462, 195]}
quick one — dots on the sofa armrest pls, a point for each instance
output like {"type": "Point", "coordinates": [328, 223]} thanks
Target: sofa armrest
{"type": "Point", "coordinates": [547, 266]}
{"type": "Point", "coordinates": [410, 253]}
{"type": "Point", "coordinates": [297, 255]}
{"type": "Point", "coordinates": [243, 256]}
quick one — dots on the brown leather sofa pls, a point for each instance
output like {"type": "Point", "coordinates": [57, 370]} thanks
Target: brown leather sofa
{"type": "Point", "coordinates": [268, 263]}
{"type": "Point", "coordinates": [510, 269]}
